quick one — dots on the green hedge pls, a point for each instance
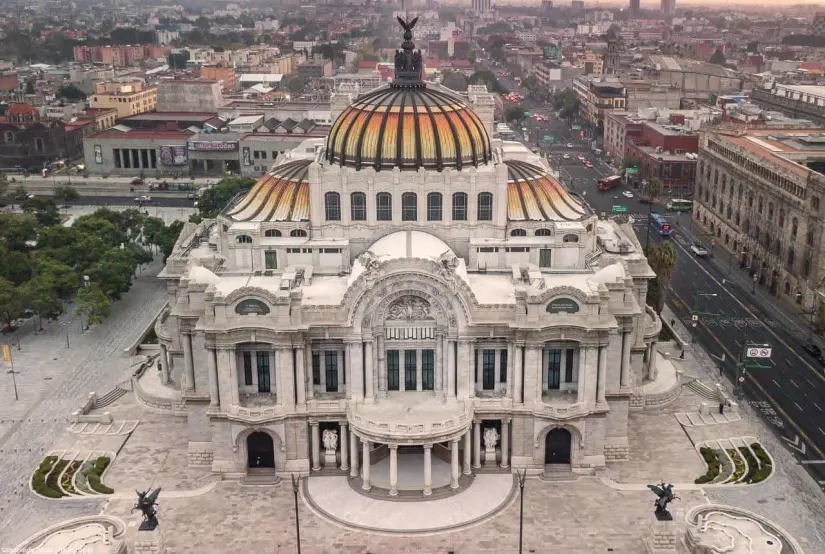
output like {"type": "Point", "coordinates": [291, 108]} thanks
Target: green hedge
{"type": "Point", "coordinates": [66, 480]}
{"type": "Point", "coordinates": [738, 466]}
{"type": "Point", "coordinates": [712, 461]}
{"type": "Point", "coordinates": [753, 465]}
{"type": "Point", "coordinates": [765, 464]}
{"type": "Point", "coordinates": [41, 485]}
{"type": "Point", "coordinates": [94, 476]}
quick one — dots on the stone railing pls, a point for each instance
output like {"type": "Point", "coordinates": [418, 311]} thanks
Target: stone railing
{"type": "Point", "coordinates": [173, 405]}
{"type": "Point", "coordinates": [654, 326]}
{"type": "Point", "coordinates": [133, 348]}
{"type": "Point", "coordinates": [561, 412]}
{"type": "Point", "coordinates": [160, 331]}
{"type": "Point", "coordinates": [256, 414]}
{"type": "Point", "coordinates": [397, 432]}
{"type": "Point", "coordinates": [642, 401]}
{"type": "Point", "coordinates": [719, 528]}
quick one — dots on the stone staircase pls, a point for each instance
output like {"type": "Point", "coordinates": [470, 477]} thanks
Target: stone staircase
{"type": "Point", "coordinates": [109, 397]}
{"type": "Point", "coordinates": [558, 473]}
{"type": "Point", "coordinates": [702, 390]}
{"type": "Point", "coordinates": [260, 477]}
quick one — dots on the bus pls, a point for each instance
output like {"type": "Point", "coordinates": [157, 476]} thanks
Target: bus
{"type": "Point", "coordinates": [610, 182]}
{"type": "Point", "coordinates": [660, 224]}
{"type": "Point", "coordinates": [678, 205]}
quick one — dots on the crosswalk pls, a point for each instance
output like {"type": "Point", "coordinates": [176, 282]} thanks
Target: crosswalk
{"type": "Point", "coordinates": [638, 217]}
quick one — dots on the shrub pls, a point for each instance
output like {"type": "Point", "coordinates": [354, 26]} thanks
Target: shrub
{"type": "Point", "coordinates": [66, 480]}
{"type": "Point", "coordinates": [738, 466]}
{"type": "Point", "coordinates": [753, 466]}
{"type": "Point", "coordinates": [712, 461]}
{"type": "Point", "coordinates": [39, 482]}
{"type": "Point", "coordinates": [94, 476]}
{"type": "Point", "coordinates": [765, 464]}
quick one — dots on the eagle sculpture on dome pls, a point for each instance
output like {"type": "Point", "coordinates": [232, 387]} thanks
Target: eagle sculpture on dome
{"type": "Point", "coordinates": [408, 27]}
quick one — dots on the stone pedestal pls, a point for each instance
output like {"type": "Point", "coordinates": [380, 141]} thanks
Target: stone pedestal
{"type": "Point", "coordinates": [662, 536]}
{"type": "Point", "coordinates": [149, 541]}
{"type": "Point", "coordinates": [330, 460]}
{"type": "Point", "coordinates": [490, 458]}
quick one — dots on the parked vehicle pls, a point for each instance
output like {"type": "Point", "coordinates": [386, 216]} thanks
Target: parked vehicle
{"type": "Point", "coordinates": [812, 349]}
{"type": "Point", "coordinates": [698, 250]}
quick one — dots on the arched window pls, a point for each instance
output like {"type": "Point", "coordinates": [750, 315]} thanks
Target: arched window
{"type": "Point", "coordinates": [809, 238]}
{"type": "Point", "coordinates": [518, 233]}
{"type": "Point", "coordinates": [770, 211]}
{"type": "Point", "coordinates": [544, 233]}
{"type": "Point", "coordinates": [794, 227]}
{"type": "Point", "coordinates": [459, 206]}
{"type": "Point", "coordinates": [409, 206]}
{"type": "Point", "coordinates": [738, 217]}
{"type": "Point", "coordinates": [358, 206]}
{"type": "Point", "coordinates": [297, 233]}
{"type": "Point", "coordinates": [383, 206]}
{"type": "Point", "coordinates": [727, 238]}
{"type": "Point", "coordinates": [243, 239]}
{"type": "Point", "coordinates": [787, 287]}
{"type": "Point", "coordinates": [434, 206]}
{"type": "Point", "coordinates": [332, 206]}
{"type": "Point", "coordinates": [485, 206]}
{"type": "Point", "coordinates": [272, 233]}
{"type": "Point", "coordinates": [8, 136]}
{"type": "Point", "coordinates": [39, 145]}
{"type": "Point", "coordinates": [781, 217]}
{"type": "Point", "coordinates": [570, 238]}
{"type": "Point", "coordinates": [791, 255]}
{"type": "Point", "coordinates": [759, 205]}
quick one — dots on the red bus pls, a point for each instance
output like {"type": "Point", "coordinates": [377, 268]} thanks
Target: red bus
{"type": "Point", "coordinates": [610, 182]}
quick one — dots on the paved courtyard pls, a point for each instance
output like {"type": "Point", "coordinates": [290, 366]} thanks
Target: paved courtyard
{"type": "Point", "coordinates": [606, 513]}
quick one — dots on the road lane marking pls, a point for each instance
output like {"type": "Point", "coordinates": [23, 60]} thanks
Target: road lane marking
{"type": "Point", "coordinates": [798, 406]}
{"type": "Point", "coordinates": [773, 362]}
{"type": "Point", "coordinates": [820, 430]}
{"type": "Point", "coordinates": [735, 299]}
{"type": "Point", "coordinates": [793, 383]}
{"type": "Point", "coordinates": [787, 361]}
{"type": "Point", "coordinates": [809, 382]}
{"type": "Point", "coordinates": [817, 406]}
{"type": "Point", "coordinates": [758, 385]}
{"type": "Point", "coordinates": [775, 383]}
{"type": "Point", "coordinates": [739, 344]}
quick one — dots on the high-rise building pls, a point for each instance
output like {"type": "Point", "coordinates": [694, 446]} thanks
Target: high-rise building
{"type": "Point", "coordinates": [634, 7]}
{"type": "Point", "coordinates": [481, 6]}
{"type": "Point", "coordinates": [668, 8]}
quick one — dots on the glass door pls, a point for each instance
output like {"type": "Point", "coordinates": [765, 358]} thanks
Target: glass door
{"type": "Point", "coordinates": [262, 359]}
{"type": "Point", "coordinates": [488, 369]}
{"type": "Point", "coordinates": [554, 369]}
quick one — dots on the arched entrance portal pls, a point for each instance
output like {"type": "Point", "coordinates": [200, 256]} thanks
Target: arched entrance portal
{"type": "Point", "coordinates": [557, 446]}
{"type": "Point", "coordinates": [260, 450]}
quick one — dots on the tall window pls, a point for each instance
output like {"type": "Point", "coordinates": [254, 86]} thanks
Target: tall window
{"type": "Point", "coordinates": [383, 206]}
{"type": "Point", "coordinates": [392, 369]}
{"type": "Point", "coordinates": [332, 205]}
{"type": "Point", "coordinates": [553, 369]}
{"type": "Point", "coordinates": [568, 365]}
{"type": "Point", "coordinates": [485, 206]}
{"type": "Point", "coordinates": [271, 259]}
{"type": "Point", "coordinates": [247, 369]}
{"type": "Point", "coordinates": [503, 366]}
{"type": "Point", "coordinates": [316, 368]}
{"type": "Point", "coordinates": [262, 362]}
{"type": "Point", "coordinates": [434, 206]}
{"type": "Point", "coordinates": [428, 370]}
{"type": "Point", "coordinates": [459, 206]}
{"type": "Point", "coordinates": [488, 369]}
{"type": "Point", "coordinates": [410, 358]}
{"type": "Point", "coordinates": [358, 204]}
{"type": "Point", "coordinates": [331, 370]}
{"type": "Point", "coordinates": [409, 207]}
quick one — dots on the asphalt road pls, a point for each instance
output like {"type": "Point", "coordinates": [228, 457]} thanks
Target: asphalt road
{"type": "Point", "coordinates": [158, 201]}
{"type": "Point", "coordinates": [789, 392]}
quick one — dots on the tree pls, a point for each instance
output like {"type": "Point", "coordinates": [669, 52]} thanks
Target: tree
{"type": "Point", "coordinates": [514, 113]}
{"type": "Point", "coordinates": [62, 277]}
{"type": "Point", "coordinates": [471, 56]}
{"type": "Point", "coordinates": [67, 194]}
{"type": "Point", "coordinates": [70, 92]}
{"type": "Point", "coordinates": [16, 231]}
{"type": "Point", "coordinates": [662, 260]}
{"type": "Point", "coordinates": [718, 57]}
{"type": "Point", "coordinates": [11, 303]}
{"type": "Point", "coordinates": [20, 193]}
{"type": "Point", "coordinates": [44, 210]}
{"type": "Point", "coordinates": [454, 80]}
{"type": "Point", "coordinates": [93, 302]}
{"type": "Point", "coordinates": [4, 184]}
{"type": "Point", "coordinates": [652, 190]}
{"type": "Point", "coordinates": [40, 297]}
{"type": "Point", "coordinates": [295, 84]}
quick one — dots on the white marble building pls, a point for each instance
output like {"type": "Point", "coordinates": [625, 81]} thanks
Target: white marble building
{"type": "Point", "coordinates": [403, 289]}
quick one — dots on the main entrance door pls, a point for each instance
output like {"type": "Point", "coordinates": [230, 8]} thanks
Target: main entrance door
{"type": "Point", "coordinates": [260, 450]}
{"type": "Point", "coordinates": [557, 447]}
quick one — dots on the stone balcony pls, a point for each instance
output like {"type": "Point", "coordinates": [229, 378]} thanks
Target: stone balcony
{"type": "Point", "coordinates": [562, 404]}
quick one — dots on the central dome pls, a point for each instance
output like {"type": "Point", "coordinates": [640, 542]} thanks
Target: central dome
{"type": "Point", "coordinates": [408, 127]}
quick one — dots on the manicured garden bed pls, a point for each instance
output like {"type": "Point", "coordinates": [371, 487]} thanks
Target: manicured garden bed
{"type": "Point", "coordinates": [50, 479]}
{"type": "Point", "coordinates": [96, 472]}
{"type": "Point", "coordinates": [765, 464]}
{"type": "Point", "coordinates": [40, 484]}
{"type": "Point", "coordinates": [739, 466]}
{"type": "Point", "coordinates": [712, 460]}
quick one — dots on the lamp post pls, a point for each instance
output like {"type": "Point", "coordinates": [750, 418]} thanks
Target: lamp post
{"type": "Point", "coordinates": [521, 477]}
{"type": "Point", "coordinates": [296, 480]}
{"type": "Point", "coordinates": [697, 294]}
{"type": "Point", "coordinates": [66, 326]}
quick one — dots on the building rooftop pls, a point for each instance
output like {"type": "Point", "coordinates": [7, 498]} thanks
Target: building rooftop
{"type": "Point", "coordinates": [169, 116]}
{"type": "Point", "coordinates": [788, 148]}
{"type": "Point", "coordinates": [669, 63]}
{"type": "Point", "coordinates": [133, 134]}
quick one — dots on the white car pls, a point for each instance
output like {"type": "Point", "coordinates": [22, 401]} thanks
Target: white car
{"type": "Point", "coordinates": [143, 198]}
{"type": "Point", "coordinates": [698, 250]}
{"type": "Point", "coordinates": [569, 145]}
{"type": "Point", "coordinates": [627, 194]}
{"type": "Point", "coordinates": [566, 156]}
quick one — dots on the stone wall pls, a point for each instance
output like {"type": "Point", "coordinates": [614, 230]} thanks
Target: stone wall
{"type": "Point", "coordinates": [643, 401]}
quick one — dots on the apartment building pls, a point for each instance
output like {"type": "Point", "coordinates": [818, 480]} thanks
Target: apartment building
{"type": "Point", "coordinates": [127, 97]}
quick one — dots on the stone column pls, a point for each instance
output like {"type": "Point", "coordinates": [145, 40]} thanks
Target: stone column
{"type": "Point", "coordinates": [505, 443]}
{"type": "Point", "coordinates": [602, 377]}
{"type": "Point", "coordinates": [316, 447]}
{"type": "Point", "coordinates": [468, 450]}
{"type": "Point", "coordinates": [212, 366]}
{"type": "Point", "coordinates": [353, 454]}
{"type": "Point", "coordinates": [310, 383]}
{"type": "Point", "coordinates": [164, 365]}
{"type": "Point", "coordinates": [450, 369]}
{"type": "Point", "coordinates": [382, 368]}
{"type": "Point", "coordinates": [584, 360]}
{"type": "Point", "coordinates": [355, 365]}
{"type": "Point", "coordinates": [365, 470]}
{"type": "Point", "coordinates": [454, 464]}
{"type": "Point", "coordinates": [439, 363]}
{"type": "Point", "coordinates": [370, 391]}
{"type": "Point", "coordinates": [510, 368]}
{"type": "Point", "coordinates": [188, 362]}
{"type": "Point", "coordinates": [286, 390]}
{"type": "Point", "coordinates": [300, 376]}
{"type": "Point", "coordinates": [518, 374]}
{"type": "Point", "coordinates": [233, 377]}
{"type": "Point", "coordinates": [465, 368]}
{"type": "Point", "coordinates": [476, 444]}
{"type": "Point", "coordinates": [428, 469]}
{"type": "Point", "coordinates": [419, 370]}
{"type": "Point", "coordinates": [344, 446]}
{"type": "Point", "coordinates": [393, 469]}
{"type": "Point", "coordinates": [625, 374]}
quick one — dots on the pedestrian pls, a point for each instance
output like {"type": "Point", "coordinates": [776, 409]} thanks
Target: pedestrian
{"type": "Point", "coordinates": [672, 322]}
{"type": "Point", "coordinates": [721, 408]}
{"type": "Point", "coordinates": [721, 371]}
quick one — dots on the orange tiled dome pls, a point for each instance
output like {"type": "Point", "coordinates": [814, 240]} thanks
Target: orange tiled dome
{"type": "Point", "coordinates": [408, 127]}
{"type": "Point", "coordinates": [282, 194]}
{"type": "Point", "coordinates": [535, 195]}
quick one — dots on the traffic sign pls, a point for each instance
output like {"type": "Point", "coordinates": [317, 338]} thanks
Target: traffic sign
{"type": "Point", "coordinates": [619, 209]}
{"type": "Point", "coordinates": [577, 127]}
{"type": "Point", "coordinates": [548, 137]}
{"type": "Point", "coordinates": [741, 379]}
{"type": "Point", "coordinates": [632, 171]}
{"type": "Point", "coordinates": [758, 352]}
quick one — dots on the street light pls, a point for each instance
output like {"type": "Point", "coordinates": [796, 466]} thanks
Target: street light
{"type": "Point", "coordinates": [521, 477]}
{"type": "Point", "coordinates": [65, 326]}
{"type": "Point", "coordinates": [295, 482]}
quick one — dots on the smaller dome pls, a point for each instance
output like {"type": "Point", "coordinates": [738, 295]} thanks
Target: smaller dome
{"type": "Point", "coordinates": [535, 195]}
{"type": "Point", "coordinates": [422, 245]}
{"type": "Point", "coordinates": [282, 194]}
{"type": "Point", "coordinates": [609, 274]}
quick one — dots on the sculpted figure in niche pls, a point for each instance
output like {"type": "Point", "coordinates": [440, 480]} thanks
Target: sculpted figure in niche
{"type": "Point", "coordinates": [409, 308]}
{"type": "Point", "coordinates": [330, 439]}
{"type": "Point", "coordinates": [490, 439]}
{"type": "Point", "coordinates": [369, 261]}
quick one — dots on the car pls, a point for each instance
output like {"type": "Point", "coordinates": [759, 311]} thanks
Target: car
{"type": "Point", "coordinates": [569, 145]}
{"type": "Point", "coordinates": [587, 163]}
{"type": "Point", "coordinates": [812, 349]}
{"type": "Point", "coordinates": [627, 194]}
{"type": "Point", "coordinates": [698, 250]}
{"type": "Point", "coordinates": [143, 198]}
{"type": "Point", "coordinates": [137, 181]}
{"type": "Point", "coordinates": [584, 161]}
{"type": "Point", "coordinates": [566, 156]}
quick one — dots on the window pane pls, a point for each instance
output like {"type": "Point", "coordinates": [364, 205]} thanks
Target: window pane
{"type": "Point", "coordinates": [428, 369]}
{"type": "Point", "coordinates": [332, 202]}
{"type": "Point", "coordinates": [383, 206]}
{"type": "Point", "coordinates": [410, 358]}
{"type": "Point", "coordinates": [503, 366]}
{"type": "Point", "coordinates": [359, 206]}
{"type": "Point", "coordinates": [409, 207]}
{"type": "Point", "coordinates": [553, 369]}
{"type": "Point", "coordinates": [262, 359]}
{"type": "Point", "coordinates": [247, 369]}
{"type": "Point", "coordinates": [488, 369]}
{"type": "Point", "coordinates": [485, 206]}
{"type": "Point", "coordinates": [392, 369]}
{"type": "Point", "coordinates": [271, 259]}
{"type": "Point", "coordinates": [434, 207]}
{"type": "Point", "coordinates": [316, 368]}
{"type": "Point", "coordinates": [460, 206]}
{"type": "Point", "coordinates": [331, 366]}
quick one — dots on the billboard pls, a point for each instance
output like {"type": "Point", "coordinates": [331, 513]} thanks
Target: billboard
{"type": "Point", "coordinates": [247, 156]}
{"type": "Point", "coordinates": [98, 154]}
{"type": "Point", "coordinates": [174, 155]}
{"type": "Point", "coordinates": [213, 145]}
